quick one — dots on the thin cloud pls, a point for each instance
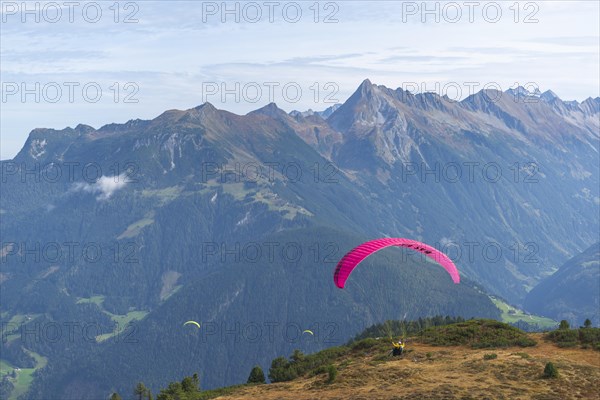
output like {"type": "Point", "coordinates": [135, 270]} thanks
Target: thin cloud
{"type": "Point", "coordinates": [105, 186]}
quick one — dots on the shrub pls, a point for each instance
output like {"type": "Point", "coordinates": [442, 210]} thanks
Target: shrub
{"type": "Point", "coordinates": [364, 344]}
{"type": "Point", "coordinates": [490, 356]}
{"type": "Point", "coordinates": [550, 371]}
{"type": "Point", "coordinates": [297, 356]}
{"type": "Point", "coordinates": [589, 337]}
{"type": "Point", "coordinates": [479, 333]}
{"type": "Point", "coordinates": [299, 364]}
{"type": "Point", "coordinates": [281, 370]}
{"type": "Point", "coordinates": [319, 370]}
{"type": "Point", "coordinates": [525, 342]}
{"type": "Point", "coordinates": [332, 371]}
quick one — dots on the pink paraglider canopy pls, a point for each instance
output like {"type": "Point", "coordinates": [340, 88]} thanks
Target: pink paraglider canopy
{"type": "Point", "coordinates": [354, 257]}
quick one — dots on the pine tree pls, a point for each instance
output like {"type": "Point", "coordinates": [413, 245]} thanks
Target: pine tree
{"type": "Point", "coordinates": [115, 396]}
{"type": "Point", "coordinates": [587, 323]}
{"type": "Point", "coordinates": [191, 384]}
{"type": "Point", "coordinates": [257, 375]}
{"type": "Point", "coordinates": [297, 356]}
{"type": "Point", "coordinates": [281, 370]}
{"type": "Point", "coordinates": [140, 391]}
{"type": "Point", "coordinates": [550, 371]}
{"type": "Point", "coordinates": [564, 324]}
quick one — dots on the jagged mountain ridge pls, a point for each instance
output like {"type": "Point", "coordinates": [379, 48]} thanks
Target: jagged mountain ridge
{"type": "Point", "coordinates": [387, 131]}
{"type": "Point", "coordinates": [381, 132]}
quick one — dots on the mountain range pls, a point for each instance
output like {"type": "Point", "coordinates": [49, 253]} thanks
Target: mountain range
{"type": "Point", "coordinates": [573, 292]}
{"type": "Point", "coordinates": [114, 237]}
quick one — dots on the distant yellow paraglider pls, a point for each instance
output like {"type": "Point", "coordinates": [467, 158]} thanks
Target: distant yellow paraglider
{"type": "Point", "coordinates": [193, 323]}
{"type": "Point", "coordinates": [308, 331]}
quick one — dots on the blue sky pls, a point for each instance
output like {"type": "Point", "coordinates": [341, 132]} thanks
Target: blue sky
{"type": "Point", "coordinates": [179, 54]}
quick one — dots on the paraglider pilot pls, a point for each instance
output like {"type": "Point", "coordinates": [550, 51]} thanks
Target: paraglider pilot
{"type": "Point", "coordinates": [398, 348]}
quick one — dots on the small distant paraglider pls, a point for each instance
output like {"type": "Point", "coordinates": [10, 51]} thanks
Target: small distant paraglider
{"type": "Point", "coordinates": [192, 323]}
{"type": "Point", "coordinates": [308, 331]}
{"type": "Point", "coordinates": [355, 256]}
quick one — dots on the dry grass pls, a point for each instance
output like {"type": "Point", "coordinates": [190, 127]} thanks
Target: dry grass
{"type": "Point", "coordinates": [449, 373]}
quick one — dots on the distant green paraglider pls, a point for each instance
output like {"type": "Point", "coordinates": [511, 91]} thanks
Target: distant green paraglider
{"type": "Point", "coordinates": [193, 323]}
{"type": "Point", "coordinates": [308, 331]}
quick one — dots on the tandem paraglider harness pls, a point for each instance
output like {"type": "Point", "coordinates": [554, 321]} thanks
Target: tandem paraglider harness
{"type": "Point", "coordinates": [398, 349]}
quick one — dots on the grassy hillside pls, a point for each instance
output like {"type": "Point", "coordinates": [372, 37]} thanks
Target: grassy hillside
{"type": "Point", "coordinates": [432, 372]}
{"type": "Point", "coordinates": [513, 315]}
{"type": "Point", "coordinates": [438, 363]}
{"type": "Point", "coordinates": [19, 379]}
